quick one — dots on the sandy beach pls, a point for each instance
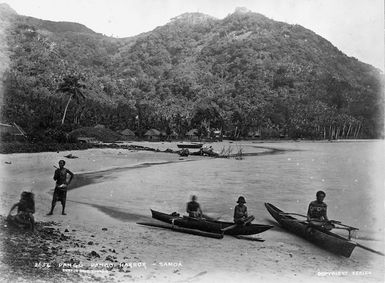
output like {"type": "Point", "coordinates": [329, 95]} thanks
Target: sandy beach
{"type": "Point", "coordinates": [105, 243]}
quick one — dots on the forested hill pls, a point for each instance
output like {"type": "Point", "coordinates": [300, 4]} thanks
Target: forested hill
{"type": "Point", "coordinates": [241, 74]}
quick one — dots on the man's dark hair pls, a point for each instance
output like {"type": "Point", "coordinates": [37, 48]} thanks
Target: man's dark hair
{"type": "Point", "coordinates": [321, 193]}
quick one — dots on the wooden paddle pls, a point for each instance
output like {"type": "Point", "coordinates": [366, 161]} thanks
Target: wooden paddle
{"type": "Point", "coordinates": [248, 220]}
{"type": "Point", "coordinates": [339, 223]}
{"type": "Point", "coordinates": [248, 238]}
{"type": "Point", "coordinates": [331, 221]}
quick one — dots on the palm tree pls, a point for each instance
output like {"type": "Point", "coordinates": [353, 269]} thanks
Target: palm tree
{"type": "Point", "coordinates": [71, 86]}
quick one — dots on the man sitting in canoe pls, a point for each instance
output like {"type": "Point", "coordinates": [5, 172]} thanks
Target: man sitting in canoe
{"type": "Point", "coordinates": [317, 213]}
{"type": "Point", "coordinates": [193, 208]}
{"type": "Point", "coordinates": [240, 212]}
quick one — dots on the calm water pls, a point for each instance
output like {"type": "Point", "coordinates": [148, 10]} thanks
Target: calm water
{"type": "Point", "coordinates": [351, 174]}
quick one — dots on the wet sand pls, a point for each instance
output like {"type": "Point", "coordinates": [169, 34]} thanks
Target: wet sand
{"type": "Point", "coordinates": [112, 247]}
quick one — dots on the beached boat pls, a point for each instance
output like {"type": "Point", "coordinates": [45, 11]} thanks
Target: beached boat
{"type": "Point", "coordinates": [189, 145]}
{"type": "Point", "coordinates": [325, 239]}
{"type": "Point", "coordinates": [212, 226]}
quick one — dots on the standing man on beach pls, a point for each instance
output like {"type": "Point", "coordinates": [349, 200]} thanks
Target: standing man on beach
{"type": "Point", "coordinates": [60, 192]}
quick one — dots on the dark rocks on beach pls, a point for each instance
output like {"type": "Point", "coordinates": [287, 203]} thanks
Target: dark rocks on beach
{"type": "Point", "coordinates": [109, 258]}
{"type": "Point", "coordinates": [21, 250]}
{"type": "Point", "coordinates": [94, 254]}
{"type": "Point", "coordinates": [104, 229]}
{"type": "Point", "coordinates": [44, 248]}
{"type": "Point", "coordinates": [63, 237]}
{"type": "Point", "coordinates": [90, 243]}
{"type": "Point", "coordinates": [66, 230]}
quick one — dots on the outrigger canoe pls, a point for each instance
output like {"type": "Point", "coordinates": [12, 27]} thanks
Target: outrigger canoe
{"type": "Point", "coordinates": [212, 226]}
{"type": "Point", "coordinates": [324, 239]}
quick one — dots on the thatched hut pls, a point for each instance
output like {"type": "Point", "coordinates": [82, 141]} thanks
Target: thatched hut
{"type": "Point", "coordinates": [152, 135]}
{"type": "Point", "coordinates": [192, 134]}
{"type": "Point", "coordinates": [254, 134]}
{"type": "Point", "coordinates": [128, 134]}
{"type": "Point", "coordinates": [99, 134]}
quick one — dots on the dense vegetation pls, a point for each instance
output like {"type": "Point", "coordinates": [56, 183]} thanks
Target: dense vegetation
{"type": "Point", "coordinates": [245, 73]}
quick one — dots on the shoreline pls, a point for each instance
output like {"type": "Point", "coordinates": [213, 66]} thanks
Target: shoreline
{"type": "Point", "coordinates": [25, 147]}
{"type": "Point", "coordinates": [88, 178]}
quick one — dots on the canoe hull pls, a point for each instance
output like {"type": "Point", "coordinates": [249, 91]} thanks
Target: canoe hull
{"type": "Point", "coordinates": [324, 239]}
{"type": "Point", "coordinates": [191, 145]}
{"type": "Point", "coordinates": [210, 225]}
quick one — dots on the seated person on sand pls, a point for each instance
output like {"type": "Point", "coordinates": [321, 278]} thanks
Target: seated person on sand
{"type": "Point", "coordinates": [193, 208]}
{"type": "Point", "coordinates": [317, 213]}
{"type": "Point", "coordinates": [25, 210]}
{"type": "Point", "coordinates": [240, 212]}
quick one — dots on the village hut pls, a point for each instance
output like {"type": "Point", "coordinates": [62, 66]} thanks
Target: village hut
{"type": "Point", "coordinates": [128, 134]}
{"type": "Point", "coordinates": [217, 134]}
{"type": "Point", "coordinates": [254, 134]}
{"type": "Point", "coordinates": [192, 134]}
{"type": "Point", "coordinates": [12, 132]}
{"type": "Point", "coordinates": [99, 126]}
{"type": "Point", "coordinates": [152, 135]}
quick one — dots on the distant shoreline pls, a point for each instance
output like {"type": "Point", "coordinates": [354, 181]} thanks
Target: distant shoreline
{"type": "Point", "coordinates": [25, 147]}
{"type": "Point", "coordinates": [8, 148]}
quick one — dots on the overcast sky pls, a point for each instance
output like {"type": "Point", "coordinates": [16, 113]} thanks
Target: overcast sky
{"type": "Point", "coordinates": [356, 27]}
